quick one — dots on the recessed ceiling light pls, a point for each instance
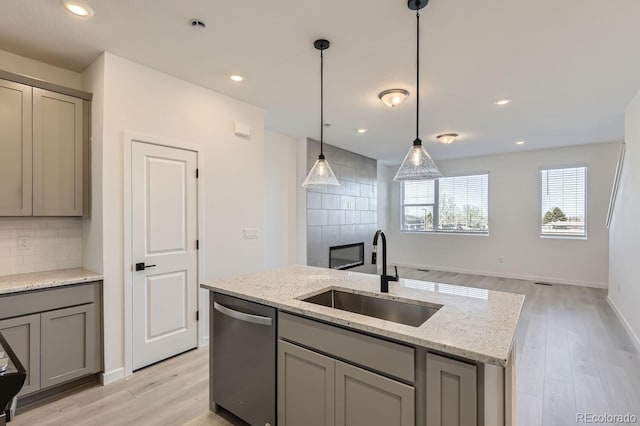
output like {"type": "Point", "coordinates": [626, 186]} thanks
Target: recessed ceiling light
{"type": "Point", "coordinates": [237, 78]}
{"type": "Point", "coordinates": [393, 97]}
{"type": "Point", "coordinates": [447, 138]}
{"type": "Point", "coordinates": [520, 143]}
{"type": "Point", "coordinates": [78, 9]}
{"type": "Point", "coordinates": [504, 101]}
{"type": "Point", "coordinates": [362, 130]}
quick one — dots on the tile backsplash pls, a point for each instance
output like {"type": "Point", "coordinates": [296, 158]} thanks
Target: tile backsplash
{"type": "Point", "coordinates": [53, 243]}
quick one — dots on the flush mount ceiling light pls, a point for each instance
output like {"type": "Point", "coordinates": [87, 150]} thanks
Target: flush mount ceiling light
{"type": "Point", "coordinates": [237, 78]}
{"type": "Point", "coordinates": [501, 102]}
{"type": "Point", "coordinates": [321, 173]}
{"type": "Point", "coordinates": [78, 8]}
{"type": "Point", "coordinates": [417, 164]}
{"type": "Point", "coordinates": [447, 138]}
{"type": "Point", "coordinates": [520, 143]}
{"type": "Point", "coordinates": [393, 97]}
{"type": "Point", "coordinates": [362, 131]}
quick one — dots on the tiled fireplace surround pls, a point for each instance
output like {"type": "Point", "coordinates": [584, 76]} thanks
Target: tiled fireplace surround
{"type": "Point", "coordinates": [345, 214]}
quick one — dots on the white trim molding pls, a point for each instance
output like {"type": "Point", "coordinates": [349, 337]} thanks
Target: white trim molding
{"type": "Point", "coordinates": [112, 376]}
{"type": "Point", "coordinates": [634, 337]}
{"type": "Point", "coordinates": [534, 278]}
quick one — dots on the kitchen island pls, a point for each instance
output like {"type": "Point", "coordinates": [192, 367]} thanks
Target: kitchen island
{"type": "Point", "coordinates": [334, 365]}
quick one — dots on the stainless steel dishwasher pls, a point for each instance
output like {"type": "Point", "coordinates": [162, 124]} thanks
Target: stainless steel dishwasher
{"type": "Point", "coordinates": [243, 359]}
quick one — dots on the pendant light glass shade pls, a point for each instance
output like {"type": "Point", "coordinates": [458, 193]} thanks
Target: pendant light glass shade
{"type": "Point", "coordinates": [417, 165]}
{"type": "Point", "coordinates": [320, 174]}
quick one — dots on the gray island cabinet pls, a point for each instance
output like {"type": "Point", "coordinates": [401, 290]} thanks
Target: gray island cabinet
{"type": "Point", "coordinates": [347, 369]}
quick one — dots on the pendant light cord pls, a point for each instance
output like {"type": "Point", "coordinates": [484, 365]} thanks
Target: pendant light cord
{"type": "Point", "coordinates": [321, 103]}
{"type": "Point", "coordinates": [417, 76]}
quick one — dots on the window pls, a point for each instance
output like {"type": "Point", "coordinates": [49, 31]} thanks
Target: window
{"type": "Point", "coordinates": [563, 202]}
{"type": "Point", "coordinates": [451, 204]}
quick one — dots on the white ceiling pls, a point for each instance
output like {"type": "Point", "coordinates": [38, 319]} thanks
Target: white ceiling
{"type": "Point", "coordinates": [570, 66]}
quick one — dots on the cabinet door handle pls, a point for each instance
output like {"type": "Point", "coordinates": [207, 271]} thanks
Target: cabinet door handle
{"type": "Point", "coordinates": [256, 319]}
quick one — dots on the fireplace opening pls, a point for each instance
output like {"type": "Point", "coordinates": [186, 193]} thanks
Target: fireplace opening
{"type": "Point", "coordinates": [346, 256]}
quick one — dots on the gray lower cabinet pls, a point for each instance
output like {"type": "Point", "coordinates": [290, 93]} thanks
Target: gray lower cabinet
{"type": "Point", "coordinates": [67, 339]}
{"type": "Point", "coordinates": [451, 392]}
{"type": "Point", "coordinates": [305, 387]}
{"type": "Point", "coordinates": [317, 390]}
{"type": "Point", "coordinates": [364, 398]}
{"type": "Point", "coordinates": [23, 335]}
{"type": "Point", "coordinates": [55, 333]}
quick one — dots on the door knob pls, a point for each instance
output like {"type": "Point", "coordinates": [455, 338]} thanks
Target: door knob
{"type": "Point", "coordinates": [141, 266]}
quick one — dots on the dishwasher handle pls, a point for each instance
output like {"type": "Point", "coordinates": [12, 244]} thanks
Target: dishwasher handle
{"type": "Point", "coordinates": [256, 319]}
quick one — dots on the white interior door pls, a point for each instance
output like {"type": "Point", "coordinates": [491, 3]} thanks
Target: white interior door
{"type": "Point", "coordinates": [164, 234]}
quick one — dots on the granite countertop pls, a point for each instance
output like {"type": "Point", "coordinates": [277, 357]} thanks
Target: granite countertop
{"type": "Point", "coordinates": [47, 279]}
{"type": "Point", "coordinates": [473, 323]}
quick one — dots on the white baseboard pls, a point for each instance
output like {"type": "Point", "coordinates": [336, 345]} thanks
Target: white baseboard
{"type": "Point", "coordinates": [634, 337]}
{"type": "Point", "coordinates": [112, 376]}
{"type": "Point", "coordinates": [552, 280]}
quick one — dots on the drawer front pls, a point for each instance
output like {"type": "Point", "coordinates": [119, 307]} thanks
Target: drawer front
{"type": "Point", "coordinates": [386, 357]}
{"type": "Point", "coordinates": [35, 301]}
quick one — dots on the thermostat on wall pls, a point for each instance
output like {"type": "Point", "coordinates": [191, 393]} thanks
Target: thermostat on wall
{"type": "Point", "coordinates": [242, 130]}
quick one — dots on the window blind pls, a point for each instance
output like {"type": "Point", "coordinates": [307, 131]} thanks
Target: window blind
{"type": "Point", "coordinates": [464, 204]}
{"type": "Point", "coordinates": [563, 203]}
{"type": "Point", "coordinates": [451, 204]}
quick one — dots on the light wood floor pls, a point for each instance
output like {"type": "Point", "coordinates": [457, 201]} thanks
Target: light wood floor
{"type": "Point", "coordinates": [573, 355]}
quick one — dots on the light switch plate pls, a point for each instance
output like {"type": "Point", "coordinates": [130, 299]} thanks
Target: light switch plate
{"type": "Point", "coordinates": [250, 233]}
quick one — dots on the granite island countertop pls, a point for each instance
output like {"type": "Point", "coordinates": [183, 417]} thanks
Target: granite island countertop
{"type": "Point", "coordinates": [47, 279]}
{"type": "Point", "coordinates": [473, 323]}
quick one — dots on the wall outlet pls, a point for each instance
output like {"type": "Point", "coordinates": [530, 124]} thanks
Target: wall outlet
{"type": "Point", "coordinates": [500, 260]}
{"type": "Point", "coordinates": [250, 233]}
{"type": "Point", "coordinates": [24, 243]}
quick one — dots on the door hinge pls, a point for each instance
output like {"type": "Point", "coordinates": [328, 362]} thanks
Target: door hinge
{"type": "Point", "coordinates": [197, 173]}
{"type": "Point", "coordinates": [197, 315]}
{"type": "Point", "coordinates": [197, 244]}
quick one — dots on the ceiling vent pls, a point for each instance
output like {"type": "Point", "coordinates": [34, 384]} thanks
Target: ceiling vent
{"type": "Point", "coordinates": [197, 24]}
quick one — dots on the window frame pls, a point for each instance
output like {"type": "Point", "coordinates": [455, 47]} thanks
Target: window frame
{"type": "Point", "coordinates": [586, 192]}
{"type": "Point", "coordinates": [436, 208]}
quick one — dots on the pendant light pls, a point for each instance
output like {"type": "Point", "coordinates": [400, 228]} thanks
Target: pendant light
{"type": "Point", "coordinates": [417, 164]}
{"type": "Point", "coordinates": [321, 173]}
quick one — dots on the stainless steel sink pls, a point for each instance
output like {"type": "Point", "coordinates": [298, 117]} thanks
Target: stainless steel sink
{"type": "Point", "coordinates": [390, 310]}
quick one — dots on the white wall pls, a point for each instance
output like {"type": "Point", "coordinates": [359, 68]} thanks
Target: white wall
{"type": "Point", "coordinates": [144, 101]}
{"type": "Point", "coordinates": [624, 287]}
{"type": "Point", "coordinates": [39, 70]}
{"type": "Point", "coordinates": [280, 188]}
{"type": "Point", "coordinates": [385, 181]}
{"type": "Point", "coordinates": [514, 217]}
{"type": "Point", "coordinates": [92, 223]}
{"type": "Point", "coordinates": [301, 207]}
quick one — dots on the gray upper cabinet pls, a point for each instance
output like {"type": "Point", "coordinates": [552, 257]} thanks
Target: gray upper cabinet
{"type": "Point", "coordinates": [364, 398]}
{"type": "Point", "coordinates": [57, 154]}
{"type": "Point", "coordinates": [305, 387]}
{"type": "Point", "coordinates": [23, 335]}
{"type": "Point", "coordinates": [67, 339]}
{"type": "Point", "coordinates": [451, 392]}
{"type": "Point", "coordinates": [16, 146]}
{"type": "Point", "coordinates": [42, 151]}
